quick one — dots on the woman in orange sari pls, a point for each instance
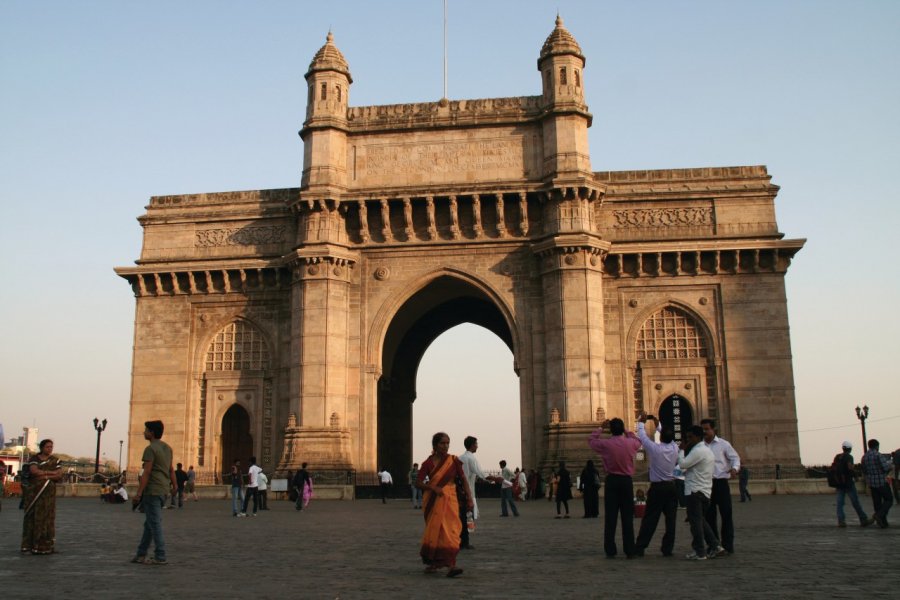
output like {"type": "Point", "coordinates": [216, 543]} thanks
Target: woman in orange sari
{"type": "Point", "coordinates": [440, 504]}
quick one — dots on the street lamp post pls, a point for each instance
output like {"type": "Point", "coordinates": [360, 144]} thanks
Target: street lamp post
{"type": "Point", "coordinates": [862, 414]}
{"type": "Point", "coordinates": [99, 426]}
{"type": "Point", "coordinates": [120, 456]}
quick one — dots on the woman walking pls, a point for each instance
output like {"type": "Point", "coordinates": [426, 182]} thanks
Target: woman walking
{"type": "Point", "coordinates": [39, 528]}
{"type": "Point", "coordinates": [563, 489]}
{"type": "Point", "coordinates": [446, 478]}
{"type": "Point", "coordinates": [589, 485]}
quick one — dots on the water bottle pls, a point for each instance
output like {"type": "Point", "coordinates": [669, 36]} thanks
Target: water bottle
{"type": "Point", "coordinates": [470, 521]}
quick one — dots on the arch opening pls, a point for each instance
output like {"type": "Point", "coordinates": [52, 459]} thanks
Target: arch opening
{"type": "Point", "coordinates": [441, 305]}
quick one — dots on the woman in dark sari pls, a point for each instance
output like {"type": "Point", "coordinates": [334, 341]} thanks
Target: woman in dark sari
{"type": "Point", "coordinates": [563, 489]}
{"type": "Point", "coordinates": [440, 504]}
{"type": "Point", "coordinates": [39, 528]}
{"type": "Point", "coordinates": [589, 484]}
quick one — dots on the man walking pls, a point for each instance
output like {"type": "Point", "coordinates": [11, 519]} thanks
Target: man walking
{"type": "Point", "coordinates": [698, 464]}
{"type": "Point", "coordinates": [157, 478]}
{"type": "Point", "coordinates": [617, 453]}
{"type": "Point", "coordinates": [236, 488]}
{"type": "Point", "coordinates": [415, 493]}
{"type": "Point", "coordinates": [743, 480]}
{"type": "Point", "coordinates": [662, 497]}
{"type": "Point", "coordinates": [728, 463]}
{"type": "Point", "coordinates": [846, 486]}
{"type": "Point", "coordinates": [191, 485]}
{"type": "Point", "coordinates": [252, 491]}
{"type": "Point", "coordinates": [877, 467]}
{"type": "Point", "coordinates": [263, 490]}
{"type": "Point", "coordinates": [386, 482]}
{"type": "Point", "coordinates": [506, 491]}
{"type": "Point", "coordinates": [473, 471]}
{"type": "Point", "coordinates": [181, 478]}
{"type": "Point", "coordinates": [300, 482]}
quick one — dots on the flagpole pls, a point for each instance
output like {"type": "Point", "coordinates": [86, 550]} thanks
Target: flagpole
{"type": "Point", "coordinates": [445, 48]}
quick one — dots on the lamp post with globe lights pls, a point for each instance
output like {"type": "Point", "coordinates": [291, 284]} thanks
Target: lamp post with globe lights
{"type": "Point", "coordinates": [862, 414]}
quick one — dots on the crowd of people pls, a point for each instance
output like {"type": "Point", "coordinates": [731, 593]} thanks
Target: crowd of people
{"type": "Point", "coordinates": [694, 475]}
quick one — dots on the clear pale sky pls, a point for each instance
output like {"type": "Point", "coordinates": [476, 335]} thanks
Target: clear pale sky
{"type": "Point", "coordinates": [105, 104]}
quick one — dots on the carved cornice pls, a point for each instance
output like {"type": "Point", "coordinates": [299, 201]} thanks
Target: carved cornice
{"type": "Point", "coordinates": [203, 280]}
{"type": "Point", "coordinates": [322, 261]}
{"type": "Point", "coordinates": [641, 218]}
{"type": "Point", "coordinates": [703, 259]}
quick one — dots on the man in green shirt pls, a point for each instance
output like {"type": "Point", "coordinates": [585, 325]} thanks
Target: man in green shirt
{"type": "Point", "coordinates": [157, 479]}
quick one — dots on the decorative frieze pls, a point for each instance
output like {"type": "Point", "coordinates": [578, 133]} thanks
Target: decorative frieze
{"type": "Point", "coordinates": [640, 218]}
{"type": "Point", "coordinates": [242, 236]}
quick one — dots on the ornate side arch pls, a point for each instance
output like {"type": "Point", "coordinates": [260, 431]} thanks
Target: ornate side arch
{"type": "Point", "coordinates": [671, 336]}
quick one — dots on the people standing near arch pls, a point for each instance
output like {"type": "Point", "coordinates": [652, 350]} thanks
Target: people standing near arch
{"type": "Point", "coordinates": [414, 492]}
{"type": "Point", "coordinates": [698, 463]}
{"type": "Point", "coordinates": [440, 542]}
{"type": "Point", "coordinates": [617, 453]}
{"type": "Point", "coordinates": [263, 490]}
{"type": "Point", "coordinates": [589, 486]}
{"type": "Point", "coordinates": [662, 498]}
{"type": "Point", "coordinates": [181, 478]}
{"type": "Point", "coordinates": [302, 484]}
{"type": "Point", "coordinates": [506, 491]}
{"type": "Point", "coordinates": [386, 482]}
{"type": "Point", "coordinates": [876, 467]}
{"type": "Point", "coordinates": [252, 491]}
{"type": "Point", "coordinates": [846, 486]}
{"type": "Point", "coordinates": [191, 485]}
{"type": "Point", "coordinates": [157, 478]}
{"type": "Point", "coordinates": [236, 488]}
{"type": "Point", "coordinates": [39, 500]}
{"type": "Point", "coordinates": [728, 463]}
{"type": "Point", "coordinates": [563, 489]}
{"type": "Point", "coordinates": [473, 473]}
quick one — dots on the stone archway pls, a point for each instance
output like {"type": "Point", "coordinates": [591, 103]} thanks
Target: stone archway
{"type": "Point", "coordinates": [442, 304]}
{"type": "Point", "coordinates": [237, 440]}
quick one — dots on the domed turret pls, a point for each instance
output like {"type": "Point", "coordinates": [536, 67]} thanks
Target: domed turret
{"type": "Point", "coordinates": [329, 82]}
{"type": "Point", "coordinates": [561, 64]}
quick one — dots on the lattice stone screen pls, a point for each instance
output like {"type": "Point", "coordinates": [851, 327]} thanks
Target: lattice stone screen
{"type": "Point", "coordinates": [238, 346]}
{"type": "Point", "coordinates": [670, 334]}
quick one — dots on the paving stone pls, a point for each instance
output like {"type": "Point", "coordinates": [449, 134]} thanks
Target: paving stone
{"type": "Point", "coordinates": [786, 546]}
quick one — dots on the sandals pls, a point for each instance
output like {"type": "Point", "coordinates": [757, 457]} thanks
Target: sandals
{"type": "Point", "coordinates": [454, 571]}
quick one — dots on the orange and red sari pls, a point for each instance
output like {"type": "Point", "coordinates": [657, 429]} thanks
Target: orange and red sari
{"type": "Point", "coordinates": [440, 542]}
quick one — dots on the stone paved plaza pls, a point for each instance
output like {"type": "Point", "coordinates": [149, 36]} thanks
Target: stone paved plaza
{"type": "Point", "coordinates": [787, 546]}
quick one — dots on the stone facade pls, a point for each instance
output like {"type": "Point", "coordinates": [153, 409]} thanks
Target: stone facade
{"type": "Point", "coordinates": [290, 323]}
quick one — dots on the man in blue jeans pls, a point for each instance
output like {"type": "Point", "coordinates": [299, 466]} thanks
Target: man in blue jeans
{"type": "Point", "coordinates": [506, 495]}
{"type": "Point", "coordinates": [847, 487]}
{"type": "Point", "coordinates": [236, 488]}
{"type": "Point", "coordinates": [157, 479]}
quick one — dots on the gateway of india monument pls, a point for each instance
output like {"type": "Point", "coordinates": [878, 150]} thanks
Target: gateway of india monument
{"type": "Point", "coordinates": [289, 323]}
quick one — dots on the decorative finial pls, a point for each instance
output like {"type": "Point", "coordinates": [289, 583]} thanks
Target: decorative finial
{"type": "Point", "coordinates": [329, 39]}
{"type": "Point", "coordinates": [559, 21]}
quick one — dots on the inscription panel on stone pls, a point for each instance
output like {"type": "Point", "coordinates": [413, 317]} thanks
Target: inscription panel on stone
{"type": "Point", "coordinates": [446, 161]}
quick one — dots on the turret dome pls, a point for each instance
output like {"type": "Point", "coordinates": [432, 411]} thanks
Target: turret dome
{"type": "Point", "coordinates": [559, 42]}
{"type": "Point", "coordinates": [329, 58]}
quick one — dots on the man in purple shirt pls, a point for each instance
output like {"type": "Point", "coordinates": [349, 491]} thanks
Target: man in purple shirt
{"type": "Point", "coordinates": [662, 497]}
{"type": "Point", "coordinates": [617, 453]}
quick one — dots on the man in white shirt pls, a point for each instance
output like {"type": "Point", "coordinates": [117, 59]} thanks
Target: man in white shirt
{"type": "Point", "coordinates": [386, 482]}
{"type": "Point", "coordinates": [697, 462]}
{"type": "Point", "coordinates": [263, 487]}
{"type": "Point", "coordinates": [728, 463]}
{"type": "Point", "coordinates": [662, 498]}
{"type": "Point", "coordinates": [473, 471]}
{"type": "Point", "coordinates": [252, 487]}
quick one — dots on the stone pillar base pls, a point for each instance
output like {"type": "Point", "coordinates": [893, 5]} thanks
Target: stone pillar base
{"type": "Point", "coordinates": [323, 449]}
{"type": "Point", "coordinates": [568, 442]}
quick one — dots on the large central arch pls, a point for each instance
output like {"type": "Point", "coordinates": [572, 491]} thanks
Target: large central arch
{"type": "Point", "coordinates": [443, 301]}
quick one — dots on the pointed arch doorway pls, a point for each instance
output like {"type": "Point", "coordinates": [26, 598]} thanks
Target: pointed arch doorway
{"type": "Point", "coordinates": [237, 441]}
{"type": "Point", "coordinates": [442, 304]}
